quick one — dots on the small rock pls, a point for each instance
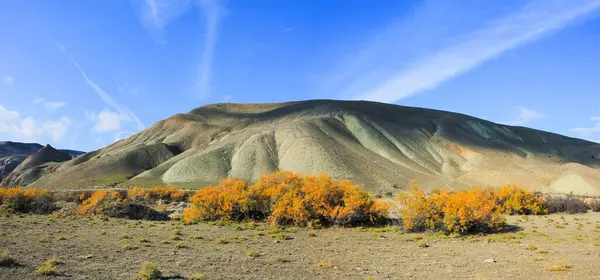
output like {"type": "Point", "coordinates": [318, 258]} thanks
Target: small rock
{"type": "Point", "coordinates": [86, 256]}
{"type": "Point", "coordinates": [489, 261]}
{"type": "Point", "coordinates": [359, 268]}
{"type": "Point", "coordinates": [275, 241]}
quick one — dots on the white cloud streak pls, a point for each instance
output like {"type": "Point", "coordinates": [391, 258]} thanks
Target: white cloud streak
{"type": "Point", "coordinates": [105, 96]}
{"type": "Point", "coordinates": [538, 18]}
{"type": "Point", "coordinates": [156, 15]}
{"type": "Point", "coordinates": [212, 14]}
{"type": "Point", "coordinates": [526, 115]}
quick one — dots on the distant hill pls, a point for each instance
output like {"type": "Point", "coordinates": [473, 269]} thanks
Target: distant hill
{"type": "Point", "coordinates": [12, 154]}
{"type": "Point", "coordinates": [381, 146]}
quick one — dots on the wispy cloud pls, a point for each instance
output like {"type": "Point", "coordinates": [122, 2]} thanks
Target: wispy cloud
{"type": "Point", "coordinates": [54, 105]}
{"type": "Point", "coordinates": [212, 12]}
{"type": "Point", "coordinates": [7, 115]}
{"type": "Point", "coordinates": [157, 14]}
{"type": "Point", "coordinates": [7, 79]}
{"type": "Point", "coordinates": [16, 127]}
{"type": "Point", "coordinates": [534, 20]}
{"type": "Point", "coordinates": [105, 96]}
{"type": "Point", "coordinates": [526, 115]}
{"type": "Point", "coordinates": [588, 131]}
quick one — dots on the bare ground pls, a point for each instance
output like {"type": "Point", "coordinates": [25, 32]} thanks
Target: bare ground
{"type": "Point", "coordinates": [91, 248]}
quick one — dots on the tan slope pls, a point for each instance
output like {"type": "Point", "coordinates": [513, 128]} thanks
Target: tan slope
{"type": "Point", "coordinates": [378, 145]}
{"type": "Point", "coordinates": [43, 161]}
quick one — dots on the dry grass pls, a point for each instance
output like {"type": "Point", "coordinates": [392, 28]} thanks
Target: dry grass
{"type": "Point", "coordinates": [325, 264]}
{"type": "Point", "coordinates": [558, 266]}
{"type": "Point", "coordinates": [531, 247]}
{"type": "Point", "coordinates": [149, 271]}
{"type": "Point", "coordinates": [253, 254]}
{"type": "Point", "coordinates": [6, 259]}
{"type": "Point", "coordinates": [49, 267]}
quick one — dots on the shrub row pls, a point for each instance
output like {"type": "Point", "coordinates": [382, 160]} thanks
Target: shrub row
{"type": "Point", "coordinates": [287, 198]}
{"type": "Point", "coordinates": [26, 200]}
{"type": "Point", "coordinates": [466, 211]}
{"type": "Point", "coordinates": [156, 193]}
{"type": "Point", "coordinates": [571, 204]}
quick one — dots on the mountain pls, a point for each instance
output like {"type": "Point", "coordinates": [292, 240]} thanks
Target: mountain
{"type": "Point", "coordinates": [381, 146]}
{"type": "Point", "coordinates": [12, 154]}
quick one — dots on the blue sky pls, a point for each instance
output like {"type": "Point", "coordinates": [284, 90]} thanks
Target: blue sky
{"type": "Point", "coordinates": [81, 74]}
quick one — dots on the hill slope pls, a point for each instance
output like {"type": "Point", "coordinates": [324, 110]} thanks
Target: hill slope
{"type": "Point", "coordinates": [13, 153]}
{"type": "Point", "coordinates": [43, 161]}
{"type": "Point", "coordinates": [382, 146]}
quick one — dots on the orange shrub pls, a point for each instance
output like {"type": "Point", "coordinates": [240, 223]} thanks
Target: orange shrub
{"type": "Point", "coordinates": [219, 202]}
{"type": "Point", "coordinates": [476, 210]}
{"type": "Point", "coordinates": [27, 200]}
{"type": "Point", "coordinates": [99, 202]}
{"type": "Point", "coordinates": [518, 201]}
{"type": "Point", "coordinates": [155, 193]}
{"type": "Point", "coordinates": [287, 198]}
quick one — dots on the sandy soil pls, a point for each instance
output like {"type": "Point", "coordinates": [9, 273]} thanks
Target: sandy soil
{"type": "Point", "coordinates": [91, 248]}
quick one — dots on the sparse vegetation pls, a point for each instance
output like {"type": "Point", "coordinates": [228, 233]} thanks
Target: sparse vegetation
{"type": "Point", "coordinates": [558, 266]}
{"type": "Point", "coordinates": [253, 254]}
{"type": "Point", "coordinates": [181, 245]}
{"type": "Point", "coordinates": [531, 247]}
{"type": "Point", "coordinates": [198, 276]}
{"type": "Point", "coordinates": [6, 259]}
{"type": "Point", "coordinates": [221, 241]}
{"type": "Point", "coordinates": [325, 264]}
{"type": "Point", "coordinates": [129, 247]}
{"type": "Point", "coordinates": [49, 267]}
{"type": "Point", "coordinates": [149, 271]}
{"type": "Point", "coordinates": [422, 244]}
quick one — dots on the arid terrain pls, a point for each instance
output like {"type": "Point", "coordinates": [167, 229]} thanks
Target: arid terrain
{"type": "Point", "coordinates": [535, 247]}
{"type": "Point", "coordinates": [381, 146]}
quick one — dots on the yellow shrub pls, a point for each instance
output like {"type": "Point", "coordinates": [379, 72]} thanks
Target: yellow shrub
{"type": "Point", "coordinates": [473, 211]}
{"type": "Point", "coordinates": [516, 200]}
{"type": "Point", "coordinates": [27, 200]}
{"type": "Point", "coordinates": [476, 210]}
{"type": "Point", "coordinates": [155, 193]}
{"type": "Point", "coordinates": [287, 198]}
{"type": "Point", "coordinates": [99, 201]}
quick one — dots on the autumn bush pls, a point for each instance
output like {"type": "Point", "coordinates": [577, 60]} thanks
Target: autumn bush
{"type": "Point", "coordinates": [466, 211]}
{"type": "Point", "coordinates": [287, 198]}
{"type": "Point", "coordinates": [27, 200]}
{"type": "Point", "coordinates": [476, 210]}
{"type": "Point", "coordinates": [101, 202]}
{"type": "Point", "coordinates": [518, 201]}
{"type": "Point", "coordinates": [153, 194]}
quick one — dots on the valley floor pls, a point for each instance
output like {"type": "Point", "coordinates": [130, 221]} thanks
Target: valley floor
{"type": "Point", "coordinates": [543, 247]}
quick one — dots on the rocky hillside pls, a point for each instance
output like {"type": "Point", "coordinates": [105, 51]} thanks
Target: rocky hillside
{"type": "Point", "coordinates": [381, 146]}
{"type": "Point", "coordinates": [12, 154]}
